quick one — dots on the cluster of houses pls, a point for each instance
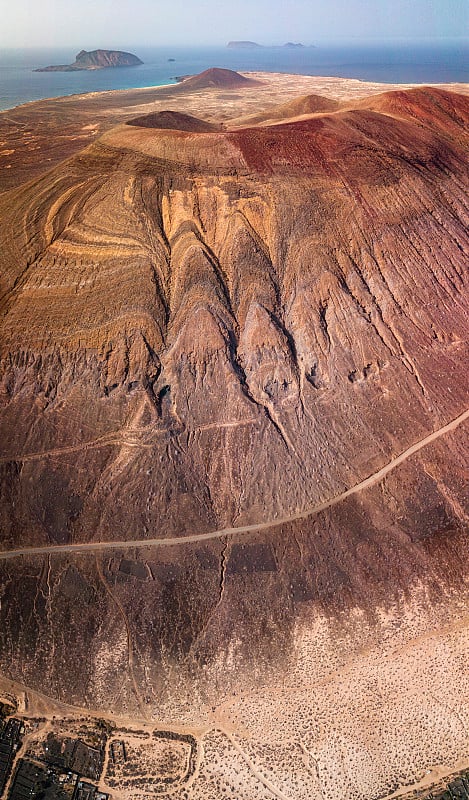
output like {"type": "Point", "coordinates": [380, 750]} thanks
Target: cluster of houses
{"type": "Point", "coordinates": [457, 789]}
{"type": "Point", "coordinates": [61, 772]}
{"type": "Point", "coordinates": [32, 780]}
{"type": "Point", "coordinates": [10, 740]}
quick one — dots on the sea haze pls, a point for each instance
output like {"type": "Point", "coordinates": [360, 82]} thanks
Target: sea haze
{"type": "Point", "coordinates": [404, 61]}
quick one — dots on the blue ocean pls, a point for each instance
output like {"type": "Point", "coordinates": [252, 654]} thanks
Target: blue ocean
{"type": "Point", "coordinates": [403, 61]}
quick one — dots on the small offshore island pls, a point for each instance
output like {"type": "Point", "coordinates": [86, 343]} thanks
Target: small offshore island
{"type": "Point", "coordinates": [246, 45]}
{"type": "Point", "coordinates": [95, 59]}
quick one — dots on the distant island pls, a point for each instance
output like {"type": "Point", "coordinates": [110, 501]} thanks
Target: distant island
{"type": "Point", "coordinates": [246, 45]}
{"type": "Point", "coordinates": [243, 45]}
{"type": "Point", "coordinates": [95, 59]}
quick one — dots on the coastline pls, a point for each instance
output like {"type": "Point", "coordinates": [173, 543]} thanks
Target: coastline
{"type": "Point", "coordinates": [328, 82]}
{"type": "Point", "coordinates": [78, 95]}
{"type": "Point", "coordinates": [393, 62]}
{"type": "Point", "coordinates": [62, 126]}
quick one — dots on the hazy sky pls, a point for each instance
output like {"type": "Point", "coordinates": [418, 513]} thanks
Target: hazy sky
{"type": "Point", "coordinates": [117, 23]}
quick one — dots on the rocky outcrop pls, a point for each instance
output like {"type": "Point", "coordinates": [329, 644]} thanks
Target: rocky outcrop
{"type": "Point", "coordinates": [96, 59]}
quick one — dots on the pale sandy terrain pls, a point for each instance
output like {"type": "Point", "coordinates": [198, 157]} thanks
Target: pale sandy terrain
{"type": "Point", "coordinates": [393, 714]}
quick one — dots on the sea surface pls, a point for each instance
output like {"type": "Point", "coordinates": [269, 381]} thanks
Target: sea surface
{"type": "Point", "coordinates": [403, 61]}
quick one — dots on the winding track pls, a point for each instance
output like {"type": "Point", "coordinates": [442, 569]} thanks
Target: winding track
{"type": "Point", "coordinates": [113, 439]}
{"type": "Point", "coordinates": [376, 477]}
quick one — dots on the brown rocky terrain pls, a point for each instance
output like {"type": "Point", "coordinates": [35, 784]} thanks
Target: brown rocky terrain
{"type": "Point", "coordinates": [234, 407]}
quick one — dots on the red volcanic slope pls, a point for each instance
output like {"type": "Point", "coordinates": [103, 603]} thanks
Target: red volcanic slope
{"type": "Point", "coordinates": [428, 105]}
{"type": "Point", "coordinates": [300, 106]}
{"type": "Point", "coordinates": [357, 143]}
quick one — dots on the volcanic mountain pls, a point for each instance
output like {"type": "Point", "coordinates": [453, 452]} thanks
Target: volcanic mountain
{"type": "Point", "coordinates": [216, 77]}
{"type": "Point", "coordinates": [300, 106]}
{"type": "Point", "coordinates": [233, 405]}
{"type": "Point", "coordinates": [173, 120]}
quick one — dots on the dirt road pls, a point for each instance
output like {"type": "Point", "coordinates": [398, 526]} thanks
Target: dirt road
{"type": "Point", "coordinates": [376, 477]}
